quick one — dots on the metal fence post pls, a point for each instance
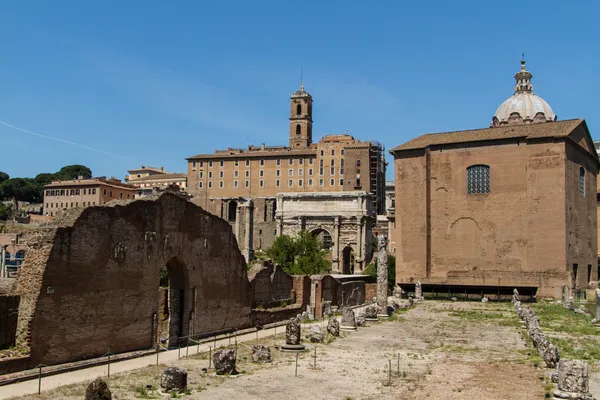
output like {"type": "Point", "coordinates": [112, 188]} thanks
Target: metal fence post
{"type": "Point", "coordinates": [209, 356]}
{"type": "Point", "coordinates": [157, 352]}
{"type": "Point", "coordinates": [40, 380]}
{"type": "Point", "coordinates": [108, 373]}
{"type": "Point", "coordinates": [187, 347]}
{"type": "Point", "coordinates": [389, 372]}
{"type": "Point", "coordinates": [178, 349]}
{"type": "Point", "coordinates": [296, 373]}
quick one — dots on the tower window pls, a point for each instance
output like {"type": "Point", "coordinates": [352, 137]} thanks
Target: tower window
{"type": "Point", "coordinates": [299, 109]}
{"type": "Point", "coordinates": [478, 179]}
{"type": "Point", "coordinates": [582, 181]}
{"type": "Point", "coordinates": [298, 130]}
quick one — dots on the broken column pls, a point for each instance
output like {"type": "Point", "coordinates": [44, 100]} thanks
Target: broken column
{"type": "Point", "coordinates": [292, 336]}
{"type": "Point", "coordinates": [515, 297]}
{"type": "Point", "coordinates": [573, 380]}
{"type": "Point", "coordinates": [348, 320]}
{"type": "Point", "coordinates": [382, 276]}
{"type": "Point", "coordinates": [418, 291]}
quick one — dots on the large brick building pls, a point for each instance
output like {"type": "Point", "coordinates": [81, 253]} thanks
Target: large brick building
{"type": "Point", "coordinates": [513, 205]}
{"type": "Point", "coordinates": [224, 181]}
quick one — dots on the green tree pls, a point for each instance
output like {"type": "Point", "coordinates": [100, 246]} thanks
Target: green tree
{"type": "Point", "coordinates": [43, 179]}
{"type": "Point", "coordinates": [69, 172]}
{"type": "Point", "coordinates": [283, 251]}
{"type": "Point", "coordinates": [4, 212]}
{"type": "Point", "coordinates": [300, 255]}
{"type": "Point", "coordinates": [21, 189]}
{"type": "Point", "coordinates": [4, 176]}
{"type": "Point", "coordinates": [371, 270]}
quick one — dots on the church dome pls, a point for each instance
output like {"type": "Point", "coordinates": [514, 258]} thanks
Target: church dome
{"type": "Point", "coordinates": [523, 107]}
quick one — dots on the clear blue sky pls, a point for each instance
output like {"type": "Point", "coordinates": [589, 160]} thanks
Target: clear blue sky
{"type": "Point", "coordinates": [151, 82]}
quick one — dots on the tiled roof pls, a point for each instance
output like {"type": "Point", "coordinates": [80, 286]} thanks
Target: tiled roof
{"type": "Point", "coordinates": [159, 177]}
{"type": "Point", "coordinates": [527, 131]}
{"type": "Point", "coordinates": [89, 182]}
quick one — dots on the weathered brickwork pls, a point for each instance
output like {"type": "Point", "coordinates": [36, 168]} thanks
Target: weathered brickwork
{"type": "Point", "coordinates": [90, 284]}
{"type": "Point", "coordinates": [9, 309]}
{"type": "Point", "coordinates": [271, 285]}
{"type": "Point", "coordinates": [529, 230]}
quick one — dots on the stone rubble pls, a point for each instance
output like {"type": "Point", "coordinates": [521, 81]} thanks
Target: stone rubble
{"type": "Point", "coordinates": [573, 380]}
{"type": "Point", "coordinates": [261, 353]}
{"type": "Point", "coordinates": [98, 390]}
{"type": "Point", "coordinates": [316, 334]}
{"type": "Point", "coordinates": [333, 327]}
{"type": "Point", "coordinates": [545, 349]}
{"type": "Point", "coordinates": [371, 312]}
{"type": "Point", "coordinates": [292, 332]}
{"type": "Point", "coordinates": [348, 318]}
{"type": "Point", "coordinates": [360, 320]}
{"type": "Point", "coordinates": [224, 361]}
{"type": "Point", "coordinates": [173, 379]}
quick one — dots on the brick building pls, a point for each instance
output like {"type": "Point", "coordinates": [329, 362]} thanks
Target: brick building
{"type": "Point", "coordinates": [513, 205]}
{"type": "Point", "coordinates": [63, 195]}
{"type": "Point", "coordinates": [149, 180]}
{"type": "Point", "coordinates": [236, 183]}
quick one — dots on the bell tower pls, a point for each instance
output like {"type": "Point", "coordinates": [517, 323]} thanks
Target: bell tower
{"type": "Point", "coordinates": [300, 119]}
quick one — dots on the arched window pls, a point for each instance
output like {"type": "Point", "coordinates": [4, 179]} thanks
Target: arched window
{"type": "Point", "coordinates": [582, 181]}
{"type": "Point", "coordinates": [298, 130]}
{"type": "Point", "coordinates": [299, 109]}
{"type": "Point", "coordinates": [232, 211]}
{"type": "Point", "coordinates": [478, 179]}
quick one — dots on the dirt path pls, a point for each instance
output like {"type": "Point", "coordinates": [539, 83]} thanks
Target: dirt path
{"type": "Point", "coordinates": [448, 351]}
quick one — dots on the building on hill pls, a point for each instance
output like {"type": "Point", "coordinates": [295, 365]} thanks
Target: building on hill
{"type": "Point", "coordinates": [251, 178]}
{"type": "Point", "coordinates": [488, 210]}
{"type": "Point", "coordinates": [77, 193]}
{"type": "Point", "coordinates": [150, 180]}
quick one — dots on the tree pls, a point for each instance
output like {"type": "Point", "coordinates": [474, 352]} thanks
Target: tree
{"type": "Point", "coordinates": [371, 270]}
{"type": "Point", "coordinates": [69, 172]}
{"type": "Point", "coordinates": [300, 255]}
{"type": "Point", "coordinates": [4, 176]}
{"type": "Point", "coordinates": [44, 178]}
{"type": "Point", "coordinates": [5, 212]}
{"type": "Point", "coordinates": [21, 189]}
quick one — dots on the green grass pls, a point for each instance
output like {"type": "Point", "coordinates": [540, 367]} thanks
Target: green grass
{"type": "Point", "coordinates": [556, 318]}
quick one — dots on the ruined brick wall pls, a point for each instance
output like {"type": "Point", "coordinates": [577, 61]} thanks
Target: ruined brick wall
{"type": "Point", "coordinates": [9, 310]}
{"type": "Point", "coordinates": [271, 285]}
{"type": "Point", "coordinates": [91, 284]}
{"type": "Point", "coordinates": [370, 291]}
{"type": "Point", "coordinates": [301, 288]}
{"type": "Point", "coordinates": [350, 293]}
{"type": "Point", "coordinates": [513, 236]}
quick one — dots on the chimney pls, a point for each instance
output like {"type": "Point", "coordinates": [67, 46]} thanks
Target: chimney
{"type": "Point", "coordinates": [162, 168]}
{"type": "Point", "coordinates": [262, 146]}
{"type": "Point", "coordinates": [79, 177]}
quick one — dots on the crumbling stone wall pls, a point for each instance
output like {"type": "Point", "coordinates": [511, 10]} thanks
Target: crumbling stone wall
{"type": "Point", "coordinates": [9, 309]}
{"type": "Point", "coordinates": [351, 293]}
{"type": "Point", "coordinates": [90, 283]}
{"type": "Point", "coordinates": [271, 285]}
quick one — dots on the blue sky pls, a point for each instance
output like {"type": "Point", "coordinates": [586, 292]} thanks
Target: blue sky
{"type": "Point", "coordinates": [154, 82]}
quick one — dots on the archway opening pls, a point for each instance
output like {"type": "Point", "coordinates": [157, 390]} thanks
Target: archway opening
{"type": "Point", "coordinates": [232, 211]}
{"type": "Point", "coordinates": [324, 238]}
{"type": "Point", "coordinates": [348, 260]}
{"type": "Point", "coordinates": [169, 321]}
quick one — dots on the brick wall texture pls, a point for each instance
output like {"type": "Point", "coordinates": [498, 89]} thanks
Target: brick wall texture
{"type": "Point", "coordinates": [9, 309]}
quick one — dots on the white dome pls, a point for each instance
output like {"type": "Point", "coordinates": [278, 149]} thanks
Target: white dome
{"type": "Point", "coordinates": [523, 106]}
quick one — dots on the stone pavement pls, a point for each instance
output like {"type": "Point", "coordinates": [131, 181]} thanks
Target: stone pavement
{"type": "Point", "coordinates": [165, 357]}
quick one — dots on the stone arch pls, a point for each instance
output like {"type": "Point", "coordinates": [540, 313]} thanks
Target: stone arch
{"type": "Point", "coordinates": [348, 260]}
{"type": "Point", "coordinates": [232, 210]}
{"type": "Point", "coordinates": [172, 303]}
{"type": "Point", "coordinates": [324, 236]}
{"type": "Point", "coordinates": [89, 282]}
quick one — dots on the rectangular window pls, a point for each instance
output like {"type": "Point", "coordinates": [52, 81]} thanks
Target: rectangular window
{"type": "Point", "coordinates": [357, 182]}
{"type": "Point", "coordinates": [62, 192]}
{"type": "Point", "coordinates": [321, 163]}
{"type": "Point", "coordinates": [320, 171]}
{"type": "Point", "coordinates": [331, 182]}
{"type": "Point", "coordinates": [332, 172]}
{"type": "Point", "coordinates": [247, 183]}
{"type": "Point", "coordinates": [220, 184]}
{"type": "Point", "coordinates": [301, 161]}
{"type": "Point", "coordinates": [201, 185]}
{"type": "Point", "coordinates": [235, 174]}
{"type": "Point", "coordinates": [278, 161]}
{"type": "Point", "coordinates": [321, 153]}
{"type": "Point", "coordinates": [333, 162]}
{"type": "Point", "coordinates": [235, 184]}
{"type": "Point", "coordinates": [201, 174]}
{"type": "Point", "coordinates": [201, 163]}
{"type": "Point", "coordinates": [262, 172]}
{"type": "Point", "coordinates": [247, 163]}
{"type": "Point", "coordinates": [342, 152]}
{"type": "Point", "coordinates": [194, 164]}
{"type": "Point", "coordinates": [221, 163]}
{"type": "Point", "coordinates": [277, 183]}
{"type": "Point", "coordinates": [321, 182]}
{"type": "Point", "coordinates": [209, 184]}
{"type": "Point", "coordinates": [310, 161]}
{"type": "Point", "coordinates": [291, 161]}
{"type": "Point", "coordinates": [310, 182]}
{"type": "Point", "coordinates": [300, 171]}
{"type": "Point", "coordinates": [290, 172]}
{"type": "Point", "coordinates": [582, 181]}
{"type": "Point", "coordinates": [262, 162]}
{"type": "Point", "coordinates": [478, 179]}
{"type": "Point", "coordinates": [358, 163]}
{"type": "Point", "coordinates": [209, 174]}
{"type": "Point", "coordinates": [278, 172]}
{"type": "Point", "coordinates": [341, 182]}
{"type": "Point", "coordinates": [290, 183]}
{"type": "Point", "coordinates": [247, 174]}
{"type": "Point", "coordinates": [236, 163]}
{"type": "Point", "coordinates": [221, 174]}
{"type": "Point", "coordinates": [210, 164]}
{"type": "Point", "coordinates": [77, 191]}
{"type": "Point", "coordinates": [110, 193]}
{"type": "Point", "coordinates": [310, 172]}
{"type": "Point", "coordinates": [332, 152]}
{"type": "Point", "coordinates": [262, 183]}
{"type": "Point", "coordinates": [105, 192]}
{"type": "Point", "coordinates": [357, 171]}
{"type": "Point", "coordinates": [121, 195]}
{"type": "Point", "coordinates": [299, 182]}
{"type": "Point", "coordinates": [94, 191]}
{"type": "Point", "coordinates": [341, 171]}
